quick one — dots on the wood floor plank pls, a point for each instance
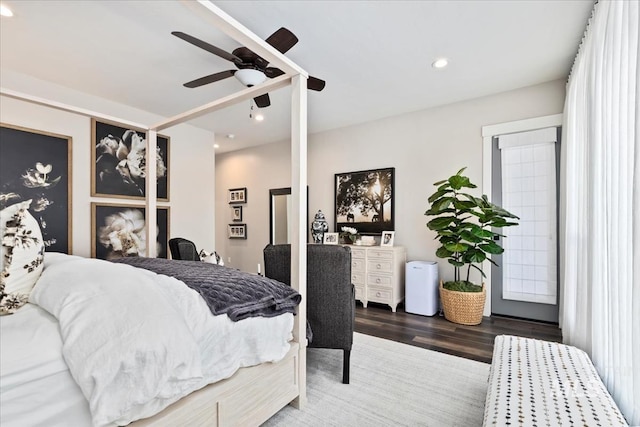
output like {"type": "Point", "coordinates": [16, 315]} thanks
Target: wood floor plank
{"type": "Point", "coordinates": [438, 334]}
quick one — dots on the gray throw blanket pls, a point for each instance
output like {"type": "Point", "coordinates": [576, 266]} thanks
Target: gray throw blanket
{"type": "Point", "coordinates": [236, 293]}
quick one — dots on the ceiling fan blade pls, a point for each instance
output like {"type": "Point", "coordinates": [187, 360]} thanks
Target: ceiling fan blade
{"type": "Point", "coordinates": [210, 79]}
{"type": "Point", "coordinates": [206, 46]}
{"type": "Point", "coordinates": [315, 83]}
{"type": "Point", "coordinates": [283, 40]}
{"type": "Point", "coordinates": [272, 72]}
{"type": "Point", "coordinates": [262, 100]}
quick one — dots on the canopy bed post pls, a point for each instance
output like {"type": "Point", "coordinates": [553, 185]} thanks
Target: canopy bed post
{"type": "Point", "coordinates": [299, 227]}
{"type": "Point", "coordinates": [151, 191]}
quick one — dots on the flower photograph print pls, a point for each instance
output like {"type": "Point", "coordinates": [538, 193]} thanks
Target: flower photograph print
{"type": "Point", "coordinates": [36, 165]}
{"type": "Point", "coordinates": [364, 200]}
{"type": "Point", "coordinates": [119, 231]}
{"type": "Point", "coordinates": [118, 166]}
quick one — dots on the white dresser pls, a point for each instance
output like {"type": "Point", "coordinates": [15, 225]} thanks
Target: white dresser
{"type": "Point", "coordinates": [377, 272]}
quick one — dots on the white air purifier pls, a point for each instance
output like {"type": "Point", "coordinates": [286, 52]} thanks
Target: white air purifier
{"type": "Point", "coordinates": [421, 287]}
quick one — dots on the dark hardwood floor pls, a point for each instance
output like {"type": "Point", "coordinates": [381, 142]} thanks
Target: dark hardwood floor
{"type": "Point", "coordinates": [437, 333]}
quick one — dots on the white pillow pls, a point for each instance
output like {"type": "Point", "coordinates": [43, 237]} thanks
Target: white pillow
{"type": "Point", "coordinates": [22, 256]}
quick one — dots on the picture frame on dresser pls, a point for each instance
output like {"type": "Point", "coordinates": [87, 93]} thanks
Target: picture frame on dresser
{"type": "Point", "coordinates": [386, 239]}
{"type": "Point", "coordinates": [117, 162]}
{"type": "Point", "coordinates": [120, 230]}
{"type": "Point", "coordinates": [37, 165]}
{"type": "Point", "coordinates": [365, 200]}
{"type": "Point", "coordinates": [330, 239]}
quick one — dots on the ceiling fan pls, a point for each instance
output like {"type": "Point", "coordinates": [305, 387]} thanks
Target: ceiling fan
{"type": "Point", "coordinates": [252, 69]}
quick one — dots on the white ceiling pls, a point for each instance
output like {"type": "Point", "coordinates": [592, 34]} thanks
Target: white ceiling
{"type": "Point", "coordinates": [375, 55]}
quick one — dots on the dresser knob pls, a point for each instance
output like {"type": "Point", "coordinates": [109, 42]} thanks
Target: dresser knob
{"type": "Point", "coordinates": [378, 280]}
{"type": "Point", "coordinates": [378, 266]}
{"type": "Point", "coordinates": [377, 294]}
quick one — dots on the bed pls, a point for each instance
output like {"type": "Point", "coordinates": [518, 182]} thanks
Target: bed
{"type": "Point", "coordinates": [247, 397]}
{"type": "Point", "coordinates": [103, 343]}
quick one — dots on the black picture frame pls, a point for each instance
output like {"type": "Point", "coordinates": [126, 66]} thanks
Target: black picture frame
{"type": "Point", "coordinates": [115, 167]}
{"type": "Point", "coordinates": [131, 218]}
{"type": "Point", "coordinates": [364, 200]}
{"type": "Point", "coordinates": [237, 195]}
{"type": "Point", "coordinates": [236, 213]}
{"type": "Point", "coordinates": [237, 231]}
{"type": "Point", "coordinates": [37, 165]}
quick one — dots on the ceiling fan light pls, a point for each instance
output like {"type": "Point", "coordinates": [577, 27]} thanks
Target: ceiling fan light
{"type": "Point", "coordinates": [5, 11]}
{"type": "Point", "coordinates": [250, 77]}
{"type": "Point", "coordinates": [440, 63]}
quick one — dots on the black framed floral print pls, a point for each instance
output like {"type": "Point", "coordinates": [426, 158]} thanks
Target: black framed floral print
{"type": "Point", "coordinates": [119, 230]}
{"type": "Point", "coordinates": [364, 200]}
{"type": "Point", "coordinates": [118, 162]}
{"type": "Point", "coordinates": [37, 165]}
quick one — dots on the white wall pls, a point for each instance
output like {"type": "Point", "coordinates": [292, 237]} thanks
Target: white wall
{"type": "Point", "coordinates": [424, 147]}
{"type": "Point", "coordinates": [191, 158]}
{"type": "Point", "coordinates": [259, 169]}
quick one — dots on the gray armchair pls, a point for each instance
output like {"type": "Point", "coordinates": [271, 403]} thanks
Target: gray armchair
{"type": "Point", "coordinates": [330, 294]}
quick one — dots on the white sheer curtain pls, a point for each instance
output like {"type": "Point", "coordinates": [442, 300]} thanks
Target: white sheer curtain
{"type": "Point", "coordinates": [600, 202]}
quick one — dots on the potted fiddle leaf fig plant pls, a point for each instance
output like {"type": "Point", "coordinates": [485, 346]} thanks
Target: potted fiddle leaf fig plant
{"type": "Point", "coordinates": [467, 229]}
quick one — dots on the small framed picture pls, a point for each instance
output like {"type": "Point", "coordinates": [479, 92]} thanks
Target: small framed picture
{"type": "Point", "coordinates": [238, 195]}
{"type": "Point", "coordinates": [387, 238]}
{"type": "Point", "coordinates": [237, 231]}
{"type": "Point", "coordinates": [236, 213]}
{"type": "Point", "coordinates": [330, 239]}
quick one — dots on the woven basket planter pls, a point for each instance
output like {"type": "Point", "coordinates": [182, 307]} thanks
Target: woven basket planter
{"type": "Point", "coordinates": [464, 308]}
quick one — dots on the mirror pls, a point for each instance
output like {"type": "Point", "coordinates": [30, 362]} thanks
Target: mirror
{"type": "Point", "coordinates": [279, 214]}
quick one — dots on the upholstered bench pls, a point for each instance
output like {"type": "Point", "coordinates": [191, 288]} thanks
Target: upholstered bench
{"type": "Point", "coordinates": [541, 383]}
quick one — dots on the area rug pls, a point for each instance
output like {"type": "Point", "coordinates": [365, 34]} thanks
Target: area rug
{"type": "Point", "coordinates": [392, 384]}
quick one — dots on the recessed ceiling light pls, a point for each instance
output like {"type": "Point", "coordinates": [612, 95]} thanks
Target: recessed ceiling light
{"type": "Point", "coordinates": [230, 136]}
{"type": "Point", "coordinates": [440, 63]}
{"type": "Point", "coordinates": [216, 146]}
{"type": "Point", "coordinates": [5, 11]}
{"type": "Point", "coordinates": [259, 117]}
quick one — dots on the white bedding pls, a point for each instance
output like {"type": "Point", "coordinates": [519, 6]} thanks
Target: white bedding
{"type": "Point", "coordinates": [189, 346]}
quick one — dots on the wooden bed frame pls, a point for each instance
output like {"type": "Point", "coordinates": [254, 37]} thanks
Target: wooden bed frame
{"type": "Point", "coordinates": [252, 395]}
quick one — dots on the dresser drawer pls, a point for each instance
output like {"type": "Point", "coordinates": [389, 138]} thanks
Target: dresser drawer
{"type": "Point", "coordinates": [358, 253]}
{"type": "Point", "coordinates": [360, 293]}
{"type": "Point", "coordinates": [357, 278]}
{"type": "Point", "coordinates": [379, 295]}
{"type": "Point", "coordinates": [381, 254]}
{"type": "Point", "coordinates": [357, 264]}
{"type": "Point", "coordinates": [381, 266]}
{"type": "Point", "coordinates": [376, 280]}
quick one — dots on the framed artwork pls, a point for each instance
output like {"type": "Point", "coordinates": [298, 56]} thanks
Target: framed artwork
{"type": "Point", "coordinates": [238, 195]}
{"type": "Point", "coordinates": [36, 165]}
{"type": "Point", "coordinates": [236, 213]}
{"type": "Point", "coordinates": [387, 238]}
{"type": "Point", "coordinates": [119, 230]}
{"type": "Point", "coordinates": [364, 200]}
{"type": "Point", "coordinates": [237, 231]}
{"type": "Point", "coordinates": [330, 239]}
{"type": "Point", "coordinates": [118, 162]}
